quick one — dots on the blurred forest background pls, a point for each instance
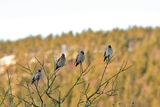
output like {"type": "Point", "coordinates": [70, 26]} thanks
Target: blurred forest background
{"type": "Point", "coordinates": [141, 83]}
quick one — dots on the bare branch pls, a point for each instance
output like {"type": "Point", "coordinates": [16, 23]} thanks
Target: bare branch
{"type": "Point", "coordinates": [3, 99]}
{"type": "Point", "coordinates": [98, 92]}
{"type": "Point", "coordinates": [76, 82]}
{"type": "Point", "coordinates": [38, 93]}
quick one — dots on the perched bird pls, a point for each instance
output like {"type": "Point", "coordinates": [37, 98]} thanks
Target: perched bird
{"type": "Point", "coordinates": [60, 62]}
{"type": "Point", "coordinates": [37, 76]}
{"type": "Point", "coordinates": [80, 58]}
{"type": "Point", "coordinates": [108, 52]}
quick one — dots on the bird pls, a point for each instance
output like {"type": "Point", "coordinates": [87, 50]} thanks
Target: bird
{"type": "Point", "coordinates": [61, 61]}
{"type": "Point", "coordinates": [37, 76]}
{"type": "Point", "coordinates": [80, 58]}
{"type": "Point", "coordinates": [108, 52]}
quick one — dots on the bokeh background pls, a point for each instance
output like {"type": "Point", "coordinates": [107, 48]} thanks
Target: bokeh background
{"type": "Point", "coordinates": [46, 29]}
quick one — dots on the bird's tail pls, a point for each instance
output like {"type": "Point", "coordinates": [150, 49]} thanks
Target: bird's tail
{"type": "Point", "coordinates": [32, 81]}
{"type": "Point", "coordinates": [76, 64]}
{"type": "Point", "coordinates": [56, 68]}
{"type": "Point", "coordinates": [105, 58]}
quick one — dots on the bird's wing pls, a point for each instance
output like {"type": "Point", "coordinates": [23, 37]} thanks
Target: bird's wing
{"type": "Point", "coordinates": [104, 52]}
{"type": "Point", "coordinates": [58, 61]}
{"type": "Point", "coordinates": [37, 75]}
{"type": "Point", "coordinates": [34, 75]}
{"type": "Point", "coordinates": [77, 57]}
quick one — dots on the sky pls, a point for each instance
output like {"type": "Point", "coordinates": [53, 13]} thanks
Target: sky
{"type": "Point", "coordinates": [22, 18]}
